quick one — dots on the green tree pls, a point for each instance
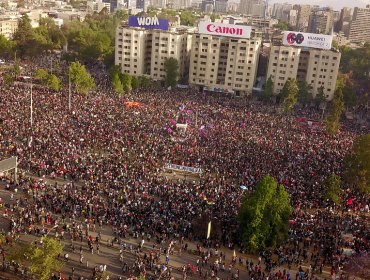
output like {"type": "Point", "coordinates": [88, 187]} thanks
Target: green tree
{"type": "Point", "coordinates": [291, 98]}
{"type": "Point", "coordinates": [144, 81]}
{"type": "Point", "coordinates": [41, 259]}
{"type": "Point", "coordinates": [333, 120]}
{"type": "Point", "coordinates": [357, 164]}
{"type": "Point", "coordinates": [29, 43]}
{"type": "Point", "coordinates": [320, 97]}
{"type": "Point", "coordinates": [6, 47]}
{"type": "Point", "coordinates": [264, 215]}
{"type": "Point", "coordinates": [82, 79]}
{"type": "Point", "coordinates": [304, 93]}
{"type": "Point", "coordinates": [187, 17]}
{"type": "Point", "coordinates": [135, 83]}
{"type": "Point", "coordinates": [126, 82]}
{"type": "Point", "coordinates": [283, 93]}
{"type": "Point", "coordinates": [8, 79]}
{"type": "Point", "coordinates": [349, 97]}
{"type": "Point", "coordinates": [171, 66]}
{"type": "Point", "coordinates": [43, 75]}
{"type": "Point", "coordinates": [282, 25]}
{"type": "Point", "coordinates": [268, 90]}
{"type": "Point", "coordinates": [117, 84]}
{"type": "Point", "coordinates": [54, 82]}
{"type": "Point", "coordinates": [53, 35]}
{"type": "Point", "coordinates": [44, 259]}
{"type": "Point", "coordinates": [332, 188]}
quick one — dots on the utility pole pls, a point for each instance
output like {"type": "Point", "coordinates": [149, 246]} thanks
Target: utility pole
{"type": "Point", "coordinates": [51, 64]}
{"type": "Point", "coordinates": [69, 93]}
{"type": "Point", "coordinates": [31, 106]}
{"type": "Point", "coordinates": [31, 126]}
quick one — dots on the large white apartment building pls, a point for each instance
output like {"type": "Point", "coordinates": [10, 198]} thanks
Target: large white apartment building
{"type": "Point", "coordinates": [283, 65]}
{"type": "Point", "coordinates": [318, 67]}
{"type": "Point", "coordinates": [142, 51]}
{"type": "Point", "coordinates": [224, 57]}
{"type": "Point", "coordinates": [8, 26]}
{"type": "Point", "coordinates": [224, 63]}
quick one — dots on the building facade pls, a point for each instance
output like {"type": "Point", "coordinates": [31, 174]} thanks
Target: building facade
{"type": "Point", "coordinates": [8, 26]}
{"type": "Point", "coordinates": [283, 65]}
{"type": "Point", "coordinates": [142, 51]}
{"type": "Point", "coordinates": [359, 27]}
{"type": "Point", "coordinates": [321, 21]}
{"type": "Point", "coordinates": [319, 68]}
{"type": "Point", "coordinates": [304, 12]}
{"type": "Point", "coordinates": [224, 64]}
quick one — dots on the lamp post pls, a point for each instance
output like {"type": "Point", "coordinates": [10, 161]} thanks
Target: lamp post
{"type": "Point", "coordinates": [31, 118]}
{"type": "Point", "coordinates": [69, 91]}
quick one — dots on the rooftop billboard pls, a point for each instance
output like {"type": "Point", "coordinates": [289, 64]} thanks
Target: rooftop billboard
{"type": "Point", "coordinates": [222, 29]}
{"type": "Point", "coordinates": [148, 22]}
{"type": "Point", "coordinates": [300, 39]}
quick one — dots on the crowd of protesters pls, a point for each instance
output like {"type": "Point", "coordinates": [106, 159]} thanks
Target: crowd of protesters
{"type": "Point", "coordinates": [114, 155]}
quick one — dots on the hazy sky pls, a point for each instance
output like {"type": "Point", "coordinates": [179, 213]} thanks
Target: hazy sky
{"type": "Point", "coordinates": [335, 4]}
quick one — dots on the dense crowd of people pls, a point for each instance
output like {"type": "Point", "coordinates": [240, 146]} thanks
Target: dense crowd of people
{"type": "Point", "coordinates": [115, 155]}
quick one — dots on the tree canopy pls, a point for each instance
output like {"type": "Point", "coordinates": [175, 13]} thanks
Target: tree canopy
{"type": "Point", "coordinates": [304, 92]}
{"type": "Point", "coordinates": [282, 25]}
{"type": "Point", "coordinates": [357, 164]}
{"type": "Point", "coordinates": [332, 188]}
{"type": "Point", "coordinates": [264, 215]}
{"type": "Point", "coordinates": [171, 66]}
{"type": "Point", "coordinates": [337, 108]}
{"type": "Point", "coordinates": [268, 90]}
{"type": "Point", "coordinates": [42, 259]}
{"type": "Point", "coordinates": [289, 95]}
{"type": "Point", "coordinates": [82, 79]}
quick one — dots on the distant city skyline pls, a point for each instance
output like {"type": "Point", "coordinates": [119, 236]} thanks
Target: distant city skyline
{"type": "Point", "coordinates": [335, 4]}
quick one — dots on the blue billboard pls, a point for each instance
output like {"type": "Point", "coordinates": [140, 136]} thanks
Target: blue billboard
{"type": "Point", "coordinates": [148, 22]}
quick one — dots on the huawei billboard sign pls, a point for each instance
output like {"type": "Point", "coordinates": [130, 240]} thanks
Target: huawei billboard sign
{"type": "Point", "coordinates": [300, 39]}
{"type": "Point", "coordinates": [228, 30]}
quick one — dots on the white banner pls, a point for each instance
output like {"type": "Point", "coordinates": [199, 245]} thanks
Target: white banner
{"type": "Point", "coordinates": [222, 29]}
{"type": "Point", "coordinates": [300, 39]}
{"type": "Point", "coordinates": [182, 168]}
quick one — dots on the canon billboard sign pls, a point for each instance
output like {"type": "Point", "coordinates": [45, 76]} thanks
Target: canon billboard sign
{"type": "Point", "coordinates": [300, 39]}
{"type": "Point", "coordinates": [221, 29]}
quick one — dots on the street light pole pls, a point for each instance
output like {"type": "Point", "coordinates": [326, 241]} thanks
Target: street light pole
{"type": "Point", "coordinates": [31, 106]}
{"type": "Point", "coordinates": [69, 91]}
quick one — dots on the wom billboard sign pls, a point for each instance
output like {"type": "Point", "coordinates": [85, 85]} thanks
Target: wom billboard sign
{"type": "Point", "coordinates": [319, 41]}
{"type": "Point", "coordinates": [221, 29]}
{"type": "Point", "coordinates": [148, 22]}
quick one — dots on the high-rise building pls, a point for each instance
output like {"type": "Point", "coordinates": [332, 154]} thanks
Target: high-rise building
{"type": "Point", "coordinates": [319, 68]}
{"type": "Point", "coordinates": [344, 19]}
{"type": "Point", "coordinates": [8, 26]}
{"type": "Point", "coordinates": [303, 17]}
{"type": "Point", "coordinates": [97, 6]}
{"type": "Point", "coordinates": [208, 6]}
{"type": "Point", "coordinates": [281, 11]}
{"type": "Point", "coordinates": [283, 65]}
{"type": "Point", "coordinates": [221, 6]}
{"type": "Point", "coordinates": [160, 4]}
{"type": "Point", "coordinates": [224, 63]}
{"type": "Point", "coordinates": [322, 70]}
{"type": "Point", "coordinates": [252, 7]}
{"type": "Point", "coordinates": [321, 21]}
{"type": "Point", "coordinates": [293, 17]}
{"type": "Point", "coordinates": [180, 4]}
{"type": "Point", "coordinates": [359, 28]}
{"type": "Point", "coordinates": [142, 51]}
